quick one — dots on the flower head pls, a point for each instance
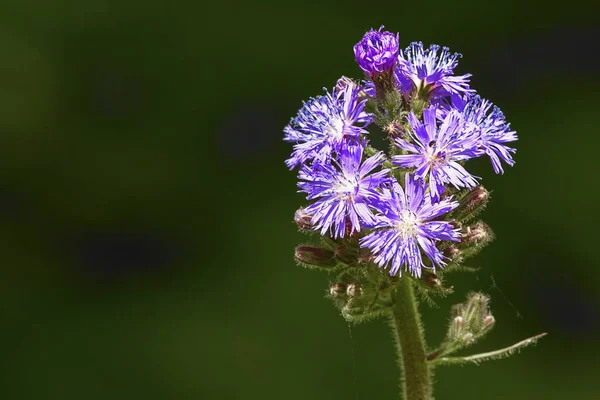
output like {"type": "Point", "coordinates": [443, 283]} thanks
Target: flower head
{"type": "Point", "coordinates": [494, 132]}
{"type": "Point", "coordinates": [407, 226]}
{"type": "Point", "coordinates": [419, 67]}
{"type": "Point", "coordinates": [327, 124]}
{"type": "Point", "coordinates": [344, 189]}
{"type": "Point", "coordinates": [377, 52]}
{"type": "Point", "coordinates": [437, 150]}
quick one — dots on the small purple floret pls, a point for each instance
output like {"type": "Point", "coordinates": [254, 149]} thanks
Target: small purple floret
{"type": "Point", "coordinates": [327, 124]}
{"type": "Point", "coordinates": [345, 191]}
{"type": "Point", "coordinates": [377, 52]}
{"type": "Point", "coordinates": [437, 150]}
{"type": "Point", "coordinates": [494, 132]}
{"type": "Point", "coordinates": [425, 68]}
{"type": "Point", "coordinates": [408, 226]}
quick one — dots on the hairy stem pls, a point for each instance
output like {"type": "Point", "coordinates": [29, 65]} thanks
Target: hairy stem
{"type": "Point", "coordinates": [492, 355]}
{"type": "Point", "coordinates": [408, 335]}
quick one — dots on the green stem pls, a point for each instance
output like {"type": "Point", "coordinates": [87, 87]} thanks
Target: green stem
{"type": "Point", "coordinates": [408, 334]}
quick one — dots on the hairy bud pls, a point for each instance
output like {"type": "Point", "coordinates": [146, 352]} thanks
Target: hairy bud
{"type": "Point", "coordinates": [468, 338]}
{"type": "Point", "coordinates": [478, 234]}
{"type": "Point", "coordinates": [338, 290]}
{"type": "Point", "coordinates": [354, 290]}
{"type": "Point", "coordinates": [315, 257]}
{"type": "Point", "coordinates": [303, 220]}
{"type": "Point", "coordinates": [453, 253]}
{"type": "Point", "coordinates": [431, 280]}
{"type": "Point", "coordinates": [489, 321]}
{"type": "Point", "coordinates": [456, 327]}
{"type": "Point", "coordinates": [377, 52]}
{"type": "Point", "coordinates": [471, 320]}
{"type": "Point", "coordinates": [395, 130]}
{"type": "Point", "coordinates": [471, 203]}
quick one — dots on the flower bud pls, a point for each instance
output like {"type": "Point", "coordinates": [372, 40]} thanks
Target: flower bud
{"type": "Point", "coordinates": [459, 322]}
{"type": "Point", "coordinates": [478, 234]}
{"type": "Point", "coordinates": [377, 52]}
{"type": "Point", "coordinates": [354, 290]}
{"type": "Point", "coordinates": [303, 220]}
{"type": "Point", "coordinates": [314, 257]}
{"type": "Point", "coordinates": [395, 130]}
{"type": "Point", "coordinates": [468, 337]}
{"type": "Point", "coordinates": [471, 203]}
{"type": "Point", "coordinates": [453, 253]}
{"type": "Point", "coordinates": [488, 321]}
{"type": "Point", "coordinates": [456, 327]}
{"type": "Point", "coordinates": [338, 290]}
{"type": "Point", "coordinates": [475, 311]}
{"type": "Point", "coordinates": [477, 301]}
{"type": "Point", "coordinates": [431, 280]}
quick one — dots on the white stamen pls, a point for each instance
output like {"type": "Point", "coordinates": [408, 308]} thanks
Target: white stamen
{"type": "Point", "coordinates": [408, 224]}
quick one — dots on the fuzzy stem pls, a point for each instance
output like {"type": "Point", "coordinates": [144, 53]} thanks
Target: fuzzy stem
{"type": "Point", "coordinates": [492, 355]}
{"type": "Point", "coordinates": [408, 334]}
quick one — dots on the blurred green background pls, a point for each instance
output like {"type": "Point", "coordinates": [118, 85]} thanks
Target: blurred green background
{"type": "Point", "coordinates": [146, 233]}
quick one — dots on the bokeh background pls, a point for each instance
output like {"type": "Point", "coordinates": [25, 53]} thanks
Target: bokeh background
{"type": "Point", "coordinates": [145, 210]}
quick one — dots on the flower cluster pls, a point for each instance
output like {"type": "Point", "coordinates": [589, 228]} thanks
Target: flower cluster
{"type": "Point", "coordinates": [400, 207]}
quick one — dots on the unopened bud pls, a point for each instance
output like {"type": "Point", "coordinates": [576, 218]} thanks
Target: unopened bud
{"type": "Point", "coordinates": [478, 301]}
{"type": "Point", "coordinates": [337, 290]}
{"type": "Point", "coordinates": [468, 337]}
{"type": "Point", "coordinates": [471, 203]}
{"type": "Point", "coordinates": [458, 322]}
{"type": "Point", "coordinates": [476, 310]}
{"type": "Point", "coordinates": [456, 327]}
{"type": "Point", "coordinates": [488, 321]}
{"type": "Point", "coordinates": [456, 224]}
{"type": "Point", "coordinates": [479, 234]}
{"type": "Point", "coordinates": [432, 280]}
{"type": "Point", "coordinates": [311, 256]}
{"type": "Point", "coordinates": [303, 220]}
{"type": "Point", "coordinates": [354, 290]}
{"type": "Point", "coordinates": [395, 130]}
{"type": "Point", "coordinates": [458, 310]}
{"type": "Point", "coordinates": [453, 253]}
{"type": "Point", "coordinates": [476, 197]}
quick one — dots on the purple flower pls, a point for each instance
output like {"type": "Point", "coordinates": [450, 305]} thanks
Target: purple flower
{"type": "Point", "coordinates": [377, 52]}
{"type": "Point", "coordinates": [327, 124]}
{"type": "Point", "coordinates": [406, 228]}
{"type": "Point", "coordinates": [418, 68]}
{"type": "Point", "coordinates": [345, 189]}
{"type": "Point", "coordinates": [494, 132]}
{"type": "Point", "coordinates": [437, 150]}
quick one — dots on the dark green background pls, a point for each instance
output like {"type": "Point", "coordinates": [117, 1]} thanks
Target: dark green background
{"type": "Point", "coordinates": [145, 210]}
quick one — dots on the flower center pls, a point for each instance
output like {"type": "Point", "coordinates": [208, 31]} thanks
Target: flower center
{"type": "Point", "coordinates": [408, 224]}
{"type": "Point", "coordinates": [436, 158]}
{"type": "Point", "coordinates": [346, 189]}
{"type": "Point", "coordinates": [336, 129]}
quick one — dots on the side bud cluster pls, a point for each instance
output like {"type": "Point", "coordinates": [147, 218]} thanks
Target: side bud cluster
{"type": "Point", "coordinates": [470, 321]}
{"type": "Point", "coordinates": [361, 299]}
{"type": "Point", "coordinates": [474, 236]}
